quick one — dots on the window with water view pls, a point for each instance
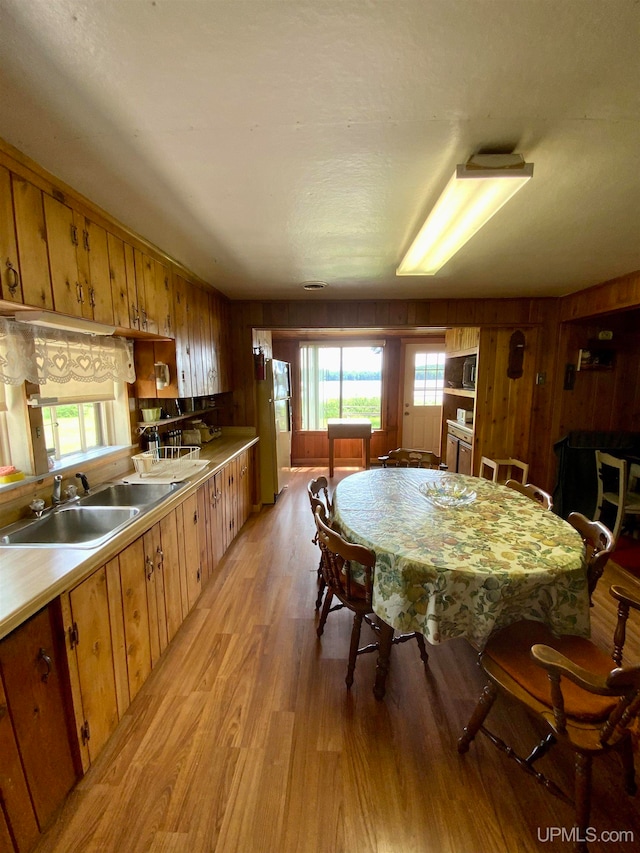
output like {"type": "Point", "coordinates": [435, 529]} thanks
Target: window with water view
{"type": "Point", "coordinates": [340, 382]}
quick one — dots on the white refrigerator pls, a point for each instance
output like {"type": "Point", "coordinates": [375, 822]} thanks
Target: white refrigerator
{"type": "Point", "coordinates": [274, 429]}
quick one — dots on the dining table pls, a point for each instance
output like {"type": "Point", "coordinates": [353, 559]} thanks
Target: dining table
{"type": "Point", "coordinates": [491, 558]}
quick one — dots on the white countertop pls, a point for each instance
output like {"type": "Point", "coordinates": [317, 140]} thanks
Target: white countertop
{"type": "Point", "coordinates": [30, 578]}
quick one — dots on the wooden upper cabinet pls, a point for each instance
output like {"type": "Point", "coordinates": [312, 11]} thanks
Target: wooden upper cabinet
{"type": "Point", "coordinates": [183, 336]}
{"type": "Point", "coordinates": [163, 298]}
{"type": "Point", "coordinates": [146, 279]}
{"type": "Point", "coordinates": [93, 270]}
{"type": "Point", "coordinates": [10, 284]}
{"type": "Point", "coordinates": [118, 281]}
{"type": "Point", "coordinates": [31, 235]}
{"type": "Point", "coordinates": [62, 239]}
{"type": "Point", "coordinates": [135, 315]}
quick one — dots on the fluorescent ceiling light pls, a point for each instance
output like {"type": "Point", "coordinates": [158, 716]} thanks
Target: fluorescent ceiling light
{"type": "Point", "coordinates": [51, 320]}
{"type": "Point", "coordinates": [477, 190]}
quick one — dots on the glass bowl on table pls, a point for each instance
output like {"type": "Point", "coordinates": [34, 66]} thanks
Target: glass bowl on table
{"type": "Point", "coordinates": [447, 492]}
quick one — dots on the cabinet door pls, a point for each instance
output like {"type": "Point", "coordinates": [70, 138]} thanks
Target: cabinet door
{"type": "Point", "coordinates": [17, 810]}
{"type": "Point", "coordinates": [163, 296]}
{"type": "Point", "coordinates": [132, 272]}
{"type": "Point", "coordinates": [62, 239]}
{"type": "Point", "coordinates": [155, 593]}
{"type": "Point", "coordinates": [216, 520]}
{"type": "Point", "coordinates": [133, 577]}
{"type": "Point", "coordinates": [35, 683]}
{"type": "Point", "coordinates": [31, 234]}
{"type": "Point", "coordinates": [10, 286]}
{"type": "Point", "coordinates": [90, 651]}
{"type": "Point", "coordinates": [171, 572]}
{"type": "Point", "coordinates": [190, 553]}
{"type": "Point", "coordinates": [146, 276]}
{"type": "Point", "coordinates": [183, 343]}
{"type": "Point", "coordinates": [452, 453]}
{"type": "Point", "coordinates": [204, 533]}
{"type": "Point", "coordinates": [464, 458]}
{"type": "Point", "coordinates": [118, 280]}
{"type": "Point", "coordinates": [231, 501]}
{"type": "Point", "coordinates": [93, 263]}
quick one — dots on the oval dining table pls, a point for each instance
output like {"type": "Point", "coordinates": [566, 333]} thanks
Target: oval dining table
{"type": "Point", "coordinates": [468, 570]}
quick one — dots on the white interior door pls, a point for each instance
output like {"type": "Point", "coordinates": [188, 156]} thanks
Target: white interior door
{"type": "Point", "coordinates": [422, 400]}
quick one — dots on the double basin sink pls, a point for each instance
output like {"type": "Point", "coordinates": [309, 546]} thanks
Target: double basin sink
{"type": "Point", "coordinates": [89, 521]}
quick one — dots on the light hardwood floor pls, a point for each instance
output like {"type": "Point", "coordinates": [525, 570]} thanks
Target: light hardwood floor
{"type": "Point", "coordinates": [245, 738]}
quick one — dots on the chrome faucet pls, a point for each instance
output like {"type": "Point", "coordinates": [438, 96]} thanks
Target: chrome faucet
{"type": "Point", "coordinates": [85, 482]}
{"type": "Point", "coordinates": [57, 483]}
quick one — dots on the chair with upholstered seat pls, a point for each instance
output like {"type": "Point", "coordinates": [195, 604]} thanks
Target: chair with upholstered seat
{"type": "Point", "coordinates": [613, 489]}
{"type": "Point", "coordinates": [533, 492]}
{"type": "Point", "coordinates": [318, 491]}
{"type": "Point", "coordinates": [348, 572]}
{"type": "Point", "coordinates": [586, 700]}
{"type": "Point", "coordinates": [502, 470]}
{"type": "Point", "coordinates": [599, 544]}
{"type": "Point", "coordinates": [403, 457]}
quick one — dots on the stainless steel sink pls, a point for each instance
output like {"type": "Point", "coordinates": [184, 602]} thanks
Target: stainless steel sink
{"type": "Point", "coordinates": [142, 495]}
{"type": "Point", "coordinates": [71, 526]}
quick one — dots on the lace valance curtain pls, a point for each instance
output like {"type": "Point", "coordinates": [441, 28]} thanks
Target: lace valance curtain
{"type": "Point", "coordinates": [39, 355]}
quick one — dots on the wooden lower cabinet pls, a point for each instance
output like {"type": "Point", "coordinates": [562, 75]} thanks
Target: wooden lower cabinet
{"type": "Point", "coordinates": [190, 567]}
{"type": "Point", "coordinates": [81, 661]}
{"type": "Point", "coordinates": [20, 825]}
{"type": "Point", "coordinates": [216, 520]}
{"type": "Point", "coordinates": [133, 577]}
{"type": "Point", "coordinates": [38, 766]}
{"type": "Point", "coordinates": [164, 587]}
{"type": "Point", "coordinates": [92, 654]}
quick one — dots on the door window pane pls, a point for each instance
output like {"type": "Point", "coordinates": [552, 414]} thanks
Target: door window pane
{"type": "Point", "coordinates": [428, 380]}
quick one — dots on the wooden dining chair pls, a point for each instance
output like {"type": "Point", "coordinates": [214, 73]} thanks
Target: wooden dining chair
{"type": "Point", "coordinates": [530, 491]}
{"type": "Point", "coordinates": [403, 457]}
{"type": "Point", "coordinates": [318, 491]}
{"type": "Point", "coordinates": [502, 470]}
{"type": "Point", "coordinates": [599, 544]}
{"type": "Point", "coordinates": [570, 686]}
{"type": "Point", "coordinates": [348, 572]}
{"type": "Point", "coordinates": [613, 489]}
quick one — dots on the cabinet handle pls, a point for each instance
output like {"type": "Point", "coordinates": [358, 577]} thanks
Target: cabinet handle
{"type": "Point", "coordinates": [85, 240]}
{"type": "Point", "coordinates": [149, 563]}
{"type": "Point", "coordinates": [144, 319]}
{"type": "Point", "coordinates": [14, 280]}
{"type": "Point", "coordinates": [74, 235]}
{"type": "Point", "coordinates": [135, 317]}
{"type": "Point", "coordinates": [195, 517]}
{"type": "Point", "coordinates": [160, 556]}
{"type": "Point", "coordinates": [92, 297]}
{"type": "Point", "coordinates": [43, 656]}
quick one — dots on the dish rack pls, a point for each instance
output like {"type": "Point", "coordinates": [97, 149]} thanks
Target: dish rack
{"type": "Point", "coordinates": [175, 462]}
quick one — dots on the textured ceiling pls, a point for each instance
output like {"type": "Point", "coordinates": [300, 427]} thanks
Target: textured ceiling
{"type": "Point", "coordinates": [267, 143]}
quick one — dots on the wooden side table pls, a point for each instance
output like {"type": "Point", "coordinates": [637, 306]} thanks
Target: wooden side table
{"type": "Point", "coordinates": [345, 428]}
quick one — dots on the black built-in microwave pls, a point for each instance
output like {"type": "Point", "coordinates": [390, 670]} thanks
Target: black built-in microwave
{"type": "Point", "coordinates": [469, 372]}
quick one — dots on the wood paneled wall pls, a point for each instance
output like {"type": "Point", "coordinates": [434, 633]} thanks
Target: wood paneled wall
{"type": "Point", "coordinates": [534, 411]}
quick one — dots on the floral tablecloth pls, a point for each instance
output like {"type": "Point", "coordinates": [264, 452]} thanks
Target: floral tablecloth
{"type": "Point", "coordinates": [468, 570]}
